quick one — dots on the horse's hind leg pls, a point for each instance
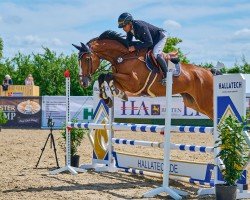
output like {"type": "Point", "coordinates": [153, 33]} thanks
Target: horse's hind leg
{"type": "Point", "coordinates": [114, 90]}
{"type": "Point", "coordinates": [103, 95]}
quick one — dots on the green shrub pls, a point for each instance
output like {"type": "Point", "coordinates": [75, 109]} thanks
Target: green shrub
{"type": "Point", "coordinates": [76, 136]}
{"type": "Point", "coordinates": [233, 149]}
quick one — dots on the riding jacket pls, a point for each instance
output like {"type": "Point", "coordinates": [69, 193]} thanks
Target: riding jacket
{"type": "Point", "coordinates": [147, 34]}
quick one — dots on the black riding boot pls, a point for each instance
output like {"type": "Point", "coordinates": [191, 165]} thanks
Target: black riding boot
{"type": "Point", "coordinates": [164, 67]}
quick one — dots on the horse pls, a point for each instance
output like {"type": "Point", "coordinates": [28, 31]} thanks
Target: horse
{"type": "Point", "coordinates": [130, 74]}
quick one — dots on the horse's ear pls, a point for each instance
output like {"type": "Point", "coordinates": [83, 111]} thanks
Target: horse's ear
{"type": "Point", "coordinates": [78, 47]}
{"type": "Point", "coordinates": [83, 45]}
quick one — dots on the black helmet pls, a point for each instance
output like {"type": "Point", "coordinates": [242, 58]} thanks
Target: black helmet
{"type": "Point", "coordinates": [124, 19]}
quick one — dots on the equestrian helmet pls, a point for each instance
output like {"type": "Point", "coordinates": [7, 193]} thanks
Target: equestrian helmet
{"type": "Point", "coordinates": [124, 19]}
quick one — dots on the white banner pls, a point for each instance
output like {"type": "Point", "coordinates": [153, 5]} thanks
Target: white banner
{"type": "Point", "coordinates": [81, 108]}
{"type": "Point", "coordinates": [148, 107]}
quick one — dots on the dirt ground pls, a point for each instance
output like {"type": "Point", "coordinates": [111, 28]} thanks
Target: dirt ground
{"type": "Point", "coordinates": [20, 150]}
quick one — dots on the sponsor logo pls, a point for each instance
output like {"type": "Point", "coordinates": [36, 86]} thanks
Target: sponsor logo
{"type": "Point", "coordinates": [156, 166]}
{"type": "Point", "coordinates": [129, 108]}
{"type": "Point", "coordinates": [28, 107]}
{"type": "Point", "coordinates": [88, 113]}
{"type": "Point", "coordinates": [230, 85]}
{"type": "Point", "coordinates": [155, 109]}
{"type": "Point", "coordinates": [9, 111]}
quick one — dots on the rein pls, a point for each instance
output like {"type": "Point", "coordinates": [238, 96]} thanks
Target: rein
{"type": "Point", "coordinates": [117, 60]}
{"type": "Point", "coordinates": [121, 58]}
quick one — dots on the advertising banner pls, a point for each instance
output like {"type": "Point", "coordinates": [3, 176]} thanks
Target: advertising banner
{"type": "Point", "coordinates": [81, 108]}
{"type": "Point", "coordinates": [148, 107]}
{"type": "Point", "coordinates": [22, 112]}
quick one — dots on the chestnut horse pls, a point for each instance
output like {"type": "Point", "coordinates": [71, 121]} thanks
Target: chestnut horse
{"type": "Point", "coordinates": [129, 73]}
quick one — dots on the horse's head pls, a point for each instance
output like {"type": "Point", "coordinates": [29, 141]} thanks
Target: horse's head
{"type": "Point", "coordinates": [88, 64]}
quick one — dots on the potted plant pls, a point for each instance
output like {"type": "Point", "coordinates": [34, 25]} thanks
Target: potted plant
{"type": "Point", "coordinates": [233, 154]}
{"type": "Point", "coordinates": [3, 119]}
{"type": "Point", "coordinates": [76, 136]}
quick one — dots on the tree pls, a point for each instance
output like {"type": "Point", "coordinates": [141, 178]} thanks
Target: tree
{"type": "Point", "coordinates": [240, 68]}
{"type": "Point", "coordinates": [245, 67]}
{"type": "Point", "coordinates": [48, 69]}
{"type": "Point", "coordinates": [171, 45]}
{"type": "Point", "coordinates": [207, 65]}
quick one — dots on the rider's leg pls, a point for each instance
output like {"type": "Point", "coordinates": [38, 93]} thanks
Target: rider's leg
{"type": "Point", "coordinates": [163, 64]}
{"type": "Point", "coordinates": [157, 51]}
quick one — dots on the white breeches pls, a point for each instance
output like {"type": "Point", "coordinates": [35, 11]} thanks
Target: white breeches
{"type": "Point", "coordinates": [159, 46]}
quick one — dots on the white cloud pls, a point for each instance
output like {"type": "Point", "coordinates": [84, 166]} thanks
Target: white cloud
{"type": "Point", "coordinates": [242, 34]}
{"type": "Point", "coordinates": [210, 33]}
{"type": "Point", "coordinates": [171, 24]}
{"type": "Point", "coordinates": [57, 42]}
{"type": "Point", "coordinates": [35, 40]}
{"type": "Point", "coordinates": [31, 40]}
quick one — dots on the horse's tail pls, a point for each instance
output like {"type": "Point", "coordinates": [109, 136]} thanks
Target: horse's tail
{"type": "Point", "coordinates": [215, 72]}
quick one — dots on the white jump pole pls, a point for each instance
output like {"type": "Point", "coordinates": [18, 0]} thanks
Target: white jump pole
{"type": "Point", "coordinates": [175, 194]}
{"type": "Point", "coordinates": [110, 148]}
{"type": "Point", "coordinates": [112, 167]}
{"type": "Point", "coordinates": [68, 167]}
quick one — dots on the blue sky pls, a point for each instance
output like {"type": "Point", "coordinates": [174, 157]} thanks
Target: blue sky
{"type": "Point", "coordinates": [211, 30]}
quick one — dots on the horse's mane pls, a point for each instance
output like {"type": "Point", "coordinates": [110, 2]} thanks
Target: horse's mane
{"type": "Point", "coordinates": [111, 35]}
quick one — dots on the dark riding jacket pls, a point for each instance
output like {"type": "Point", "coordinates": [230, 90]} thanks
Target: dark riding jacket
{"type": "Point", "coordinates": [147, 34]}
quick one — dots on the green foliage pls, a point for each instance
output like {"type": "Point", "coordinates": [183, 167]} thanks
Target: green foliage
{"type": "Point", "coordinates": [76, 136]}
{"type": "Point", "coordinates": [233, 149]}
{"type": "Point", "coordinates": [207, 65]}
{"type": "Point", "coordinates": [243, 68]}
{"type": "Point", "coordinates": [234, 70]}
{"type": "Point", "coordinates": [171, 45]}
{"type": "Point", "coordinates": [3, 118]}
{"type": "Point", "coordinates": [223, 70]}
{"type": "Point", "coordinates": [48, 71]}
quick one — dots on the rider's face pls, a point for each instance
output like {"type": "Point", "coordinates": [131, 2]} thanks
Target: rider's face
{"type": "Point", "coordinates": [127, 27]}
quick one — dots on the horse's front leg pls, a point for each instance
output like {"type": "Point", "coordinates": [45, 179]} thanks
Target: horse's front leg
{"type": "Point", "coordinates": [115, 91]}
{"type": "Point", "coordinates": [103, 95]}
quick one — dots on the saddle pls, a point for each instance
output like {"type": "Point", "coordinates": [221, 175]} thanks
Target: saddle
{"type": "Point", "coordinates": [154, 66]}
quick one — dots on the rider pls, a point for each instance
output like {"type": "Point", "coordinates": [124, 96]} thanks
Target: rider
{"type": "Point", "coordinates": [150, 37]}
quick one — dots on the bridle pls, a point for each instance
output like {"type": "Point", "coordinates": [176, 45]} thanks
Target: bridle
{"type": "Point", "coordinates": [90, 71]}
{"type": "Point", "coordinates": [90, 52]}
{"type": "Point", "coordinates": [89, 65]}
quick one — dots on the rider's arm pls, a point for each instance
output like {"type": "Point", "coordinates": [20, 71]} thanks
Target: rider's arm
{"type": "Point", "coordinates": [129, 37]}
{"type": "Point", "coordinates": [146, 40]}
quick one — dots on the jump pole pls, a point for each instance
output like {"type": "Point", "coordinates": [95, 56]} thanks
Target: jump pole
{"type": "Point", "coordinates": [174, 193]}
{"type": "Point", "coordinates": [111, 163]}
{"type": "Point", "coordinates": [68, 167]}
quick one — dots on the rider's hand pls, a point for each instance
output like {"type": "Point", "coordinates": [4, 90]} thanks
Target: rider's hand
{"type": "Point", "coordinates": [131, 49]}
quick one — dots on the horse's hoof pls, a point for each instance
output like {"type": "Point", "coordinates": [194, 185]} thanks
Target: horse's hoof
{"type": "Point", "coordinates": [125, 97]}
{"type": "Point", "coordinates": [109, 102]}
